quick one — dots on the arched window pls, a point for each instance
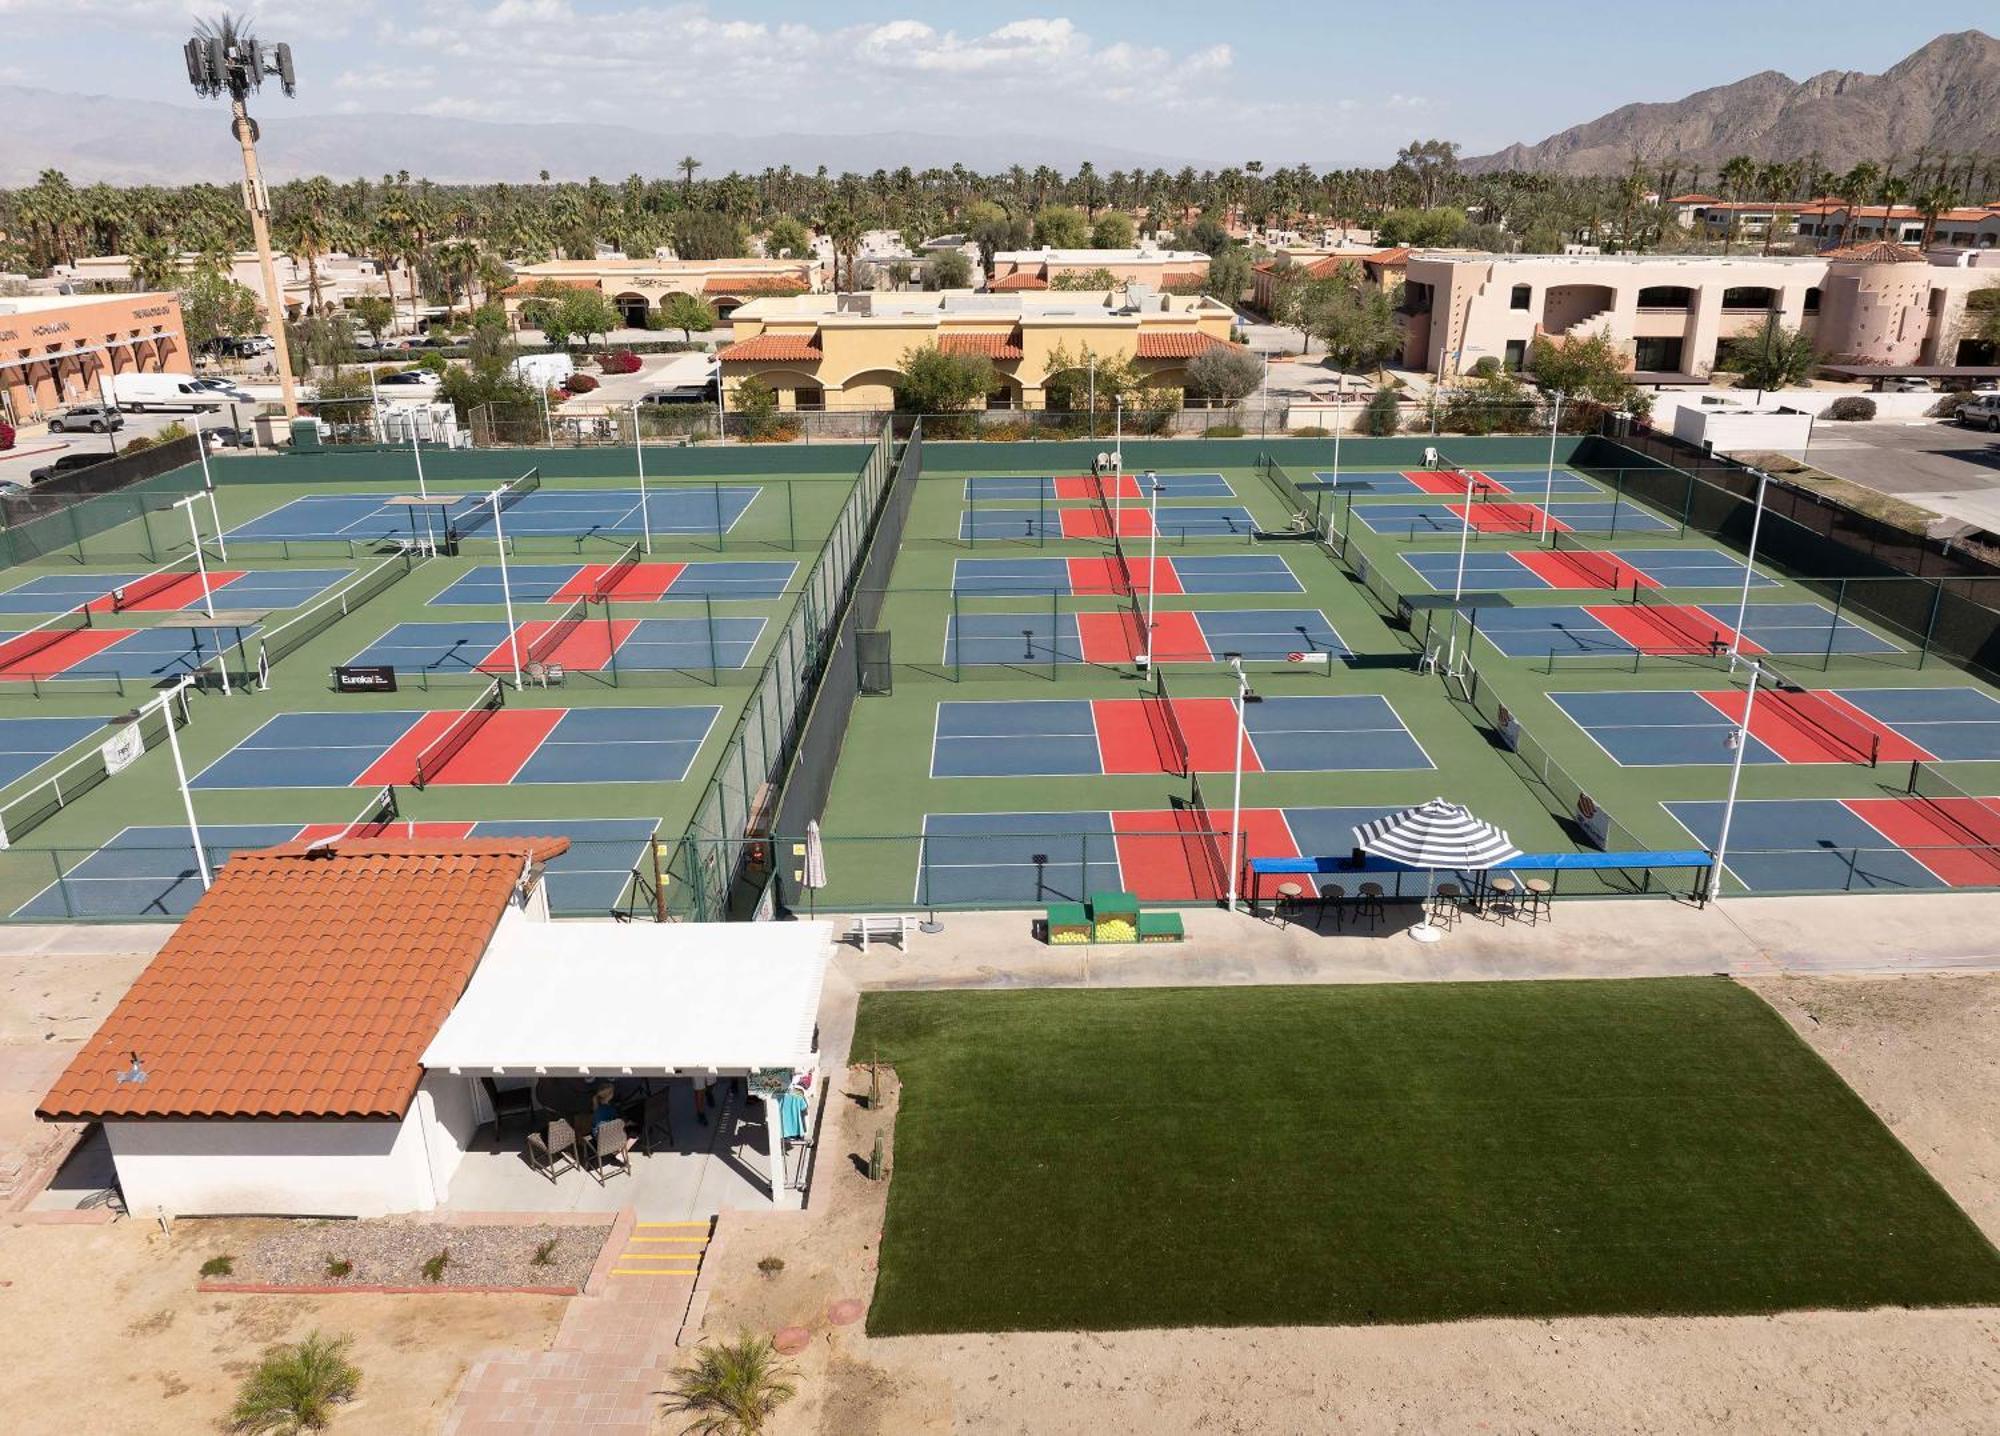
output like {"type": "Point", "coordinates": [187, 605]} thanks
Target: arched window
{"type": "Point", "coordinates": [1666, 296]}
{"type": "Point", "coordinates": [1812, 300]}
{"type": "Point", "coordinates": [1749, 296]}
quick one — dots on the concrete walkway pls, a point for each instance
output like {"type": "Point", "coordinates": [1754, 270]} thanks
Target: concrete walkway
{"type": "Point", "coordinates": [1915, 932]}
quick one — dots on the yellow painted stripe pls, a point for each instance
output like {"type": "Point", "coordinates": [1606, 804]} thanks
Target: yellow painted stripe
{"type": "Point", "coordinates": [703, 1240]}
{"type": "Point", "coordinates": [659, 1256]}
{"type": "Point", "coordinates": [621, 1272]}
{"type": "Point", "coordinates": [703, 1225]}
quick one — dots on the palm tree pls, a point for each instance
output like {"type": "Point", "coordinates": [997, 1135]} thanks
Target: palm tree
{"type": "Point", "coordinates": [733, 1388]}
{"type": "Point", "coordinates": [1737, 177]}
{"type": "Point", "coordinates": [1936, 198]}
{"type": "Point", "coordinates": [1894, 191]}
{"type": "Point", "coordinates": [843, 225]}
{"type": "Point", "coordinates": [295, 1388]}
{"type": "Point", "coordinates": [688, 165]}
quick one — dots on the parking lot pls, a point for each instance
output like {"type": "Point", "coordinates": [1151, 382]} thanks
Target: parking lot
{"type": "Point", "coordinates": [1938, 465]}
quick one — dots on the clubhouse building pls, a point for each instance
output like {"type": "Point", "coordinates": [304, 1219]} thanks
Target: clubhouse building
{"type": "Point", "coordinates": [54, 347]}
{"type": "Point", "coordinates": [639, 287]}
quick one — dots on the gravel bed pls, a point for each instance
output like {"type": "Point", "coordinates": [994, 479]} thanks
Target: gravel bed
{"type": "Point", "coordinates": [392, 1252]}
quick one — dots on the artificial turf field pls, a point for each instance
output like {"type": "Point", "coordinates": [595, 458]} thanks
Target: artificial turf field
{"type": "Point", "coordinates": [607, 757]}
{"type": "Point", "coordinates": [1361, 1154]}
{"type": "Point", "coordinates": [1004, 592]}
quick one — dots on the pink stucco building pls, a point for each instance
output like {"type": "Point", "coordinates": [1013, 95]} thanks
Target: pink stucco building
{"type": "Point", "coordinates": [1875, 303]}
{"type": "Point", "coordinates": [54, 347]}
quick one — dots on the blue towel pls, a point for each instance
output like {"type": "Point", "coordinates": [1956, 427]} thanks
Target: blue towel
{"type": "Point", "coordinates": [792, 1115]}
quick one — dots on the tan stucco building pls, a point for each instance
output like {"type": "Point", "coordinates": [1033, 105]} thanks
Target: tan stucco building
{"type": "Point", "coordinates": [54, 347]}
{"type": "Point", "coordinates": [1030, 269]}
{"type": "Point", "coordinates": [639, 287]}
{"type": "Point", "coordinates": [845, 351]}
{"type": "Point", "coordinates": [1382, 268]}
{"type": "Point", "coordinates": [1876, 303]}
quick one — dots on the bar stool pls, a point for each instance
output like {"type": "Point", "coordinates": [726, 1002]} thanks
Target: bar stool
{"type": "Point", "coordinates": [1369, 904]}
{"type": "Point", "coordinates": [1290, 895]}
{"type": "Point", "coordinates": [1337, 895]}
{"type": "Point", "coordinates": [1504, 906]}
{"type": "Point", "coordinates": [1444, 905]}
{"type": "Point", "coordinates": [1537, 902]}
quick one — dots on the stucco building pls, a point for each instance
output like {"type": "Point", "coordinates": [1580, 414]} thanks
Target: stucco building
{"type": "Point", "coordinates": [1876, 303]}
{"type": "Point", "coordinates": [1030, 269]}
{"type": "Point", "coordinates": [342, 278]}
{"type": "Point", "coordinates": [638, 287]}
{"type": "Point", "coordinates": [845, 351]}
{"type": "Point", "coordinates": [53, 348]}
{"type": "Point", "coordinates": [1383, 268]}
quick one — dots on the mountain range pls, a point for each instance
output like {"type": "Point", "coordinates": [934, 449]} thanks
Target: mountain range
{"type": "Point", "coordinates": [1941, 99]}
{"type": "Point", "coordinates": [124, 141]}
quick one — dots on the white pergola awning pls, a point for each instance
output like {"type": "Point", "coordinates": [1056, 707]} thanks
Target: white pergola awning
{"type": "Point", "coordinates": [645, 999]}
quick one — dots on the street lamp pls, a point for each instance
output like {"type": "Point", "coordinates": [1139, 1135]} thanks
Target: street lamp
{"type": "Point", "coordinates": [224, 58]}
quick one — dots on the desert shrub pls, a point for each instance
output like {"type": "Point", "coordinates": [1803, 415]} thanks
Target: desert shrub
{"type": "Point", "coordinates": [771, 1265]}
{"type": "Point", "coordinates": [1850, 406]}
{"type": "Point", "coordinates": [619, 361]}
{"type": "Point", "coordinates": [1310, 431]}
{"type": "Point", "coordinates": [339, 1268]}
{"type": "Point", "coordinates": [580, 383]}
{"type": "Point", "coordinates": [1946, 407]}
{"type": "Point", "coordinates": [6, 435]}
{"type": "Point", "coordinates": [1223, 431]}
{"type": "Point", "coordinates": [1485, 367]}
{"type": "Point", "coordinates": [435, 1267]}
{"type": "Point", "coordinates": [219, 1266]}
{"type": "Point", "coordinates": [545, 1253]}
{"type": "Point", "coordinates": [295, 1388]}
{"type": "Point", "coordinates": [1382, 416]}
{"type": "Point", "coordinates": [732, 1387]}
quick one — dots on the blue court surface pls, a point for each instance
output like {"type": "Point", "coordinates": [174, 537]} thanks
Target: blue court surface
{"type": "Point", "coordinates": [990, 858]}
{"type": "Point", "coordinates": [1507, 517]}
{"type": "Point", "coordinates": [1952, 724]}
{"type": "Point", "coordinates": [989, 487]}
{"type": "Point", "coordinates": [1181, 573]}
{"type": "Point", "coordinates": [369, 748]}
{"type": "Point", "coordinates": [1112, 637]}
{"type": "Point", "coordinates": [259, 589]}
{"type": "Point", "coordinates": [1063, 737]}
{"type": "Point", "coordinates": [27, 743]}
{"type": "Point", "coordinates": [151, 872]}
{"type": "Point", "coordinates": [559, 582]}
{"type": "Point", "coordinates": [1658, 729]}
{"type": "Point", "coordinates": [651, 644]}
{"type": "Point", "coordinates": [546, 511]}
{"type": "Point", "coordinates": [166, 651]}
{"type": "Point", "coordinates": [1505, 570]}
{"type": "Point", "coordinates": [1526, 483]}
{"type": "Point", "coordinates": [1776, 628]}
{"type": "Point", "coordinates": [1087, 521]}
{"type": "Point", "coordinates": [1805, 845]}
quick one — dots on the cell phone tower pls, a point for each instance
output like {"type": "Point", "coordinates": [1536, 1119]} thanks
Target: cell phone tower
{"type": "Point", "coordinates": [224, 58]}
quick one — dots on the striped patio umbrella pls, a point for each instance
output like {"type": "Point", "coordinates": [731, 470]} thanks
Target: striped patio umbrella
{"type": "Point", "coordinates": [813, 875]}
{"type": "Point", "coordinates": [1435, 835]}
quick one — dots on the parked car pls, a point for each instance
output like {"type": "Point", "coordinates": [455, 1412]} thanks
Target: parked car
{"type": "Point", "coordinates": [682, 394]}
{"type": "Point", "coordinates": [227, 388]}
{"type": "Point", "coordinates": [1981, 411]}
{"type": "Point", "coordinates": [136, 392]}
{"type": "Point", "coordinates": [66, 464]}
{"type": "Point", "coordinates": [364, 340]}
{"type": "Point", "coordinates": [97, 418]}
{"type": "Point", "coordinates": [407, 380]}
{"type": "Point", "coordinates": [230, 438]}
{"type": "Point", "coordinates": [1905, 384]}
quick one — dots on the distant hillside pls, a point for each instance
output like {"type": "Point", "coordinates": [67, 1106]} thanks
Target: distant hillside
{"type": "Point", "coordinates": [122, 141]}
{"type": "Point", "coordinates": [1944, 98]}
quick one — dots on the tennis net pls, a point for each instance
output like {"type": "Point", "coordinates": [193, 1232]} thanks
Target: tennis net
{"type": "Point", "coordinates": [1594, 564]}
{"type": "Point", "coordinates": [1937, 791]}
{"type": "Point", "coordinates": [45, 635]}
{"type": "Point", "coordinates": [1815, 713]}
{"type": "Point", "coordinates": [608, 581]}
{"type": "Point", "coordinates": [309, 624]}
{"type": "Point", "coordinates": [1209, 842]}
{"type": "Point", "coordinates": [479, 513]}
{"type": "Point", "coordinates": [1674, 618]}
{"type": "Point", "coordinates": [464, 728]}
{"type": "Point", "coordinates": [1160, 707]}
{"type": "Point", "coordinates": [550, 640]}
{"type": "Point", "coordinates": [152, 585]}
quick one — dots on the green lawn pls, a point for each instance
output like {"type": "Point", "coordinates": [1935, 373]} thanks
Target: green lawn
{"type": "Point", "coordinates": [1301, 1155]}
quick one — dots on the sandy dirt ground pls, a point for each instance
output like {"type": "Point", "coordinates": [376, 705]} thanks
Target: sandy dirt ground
{"type": "Point", "coordinates": [101, 1329]}
{"type": "Point", "coordinates": [1923, 1051]}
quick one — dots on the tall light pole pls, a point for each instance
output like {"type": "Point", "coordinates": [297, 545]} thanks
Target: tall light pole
{"type": "Point", "coordinates": [1549, 484]}
{"type": "Point", "coordinates": [1236, 803]}
{"type": "Point", "coordinates": [1152, 557]}
{"type": "Point", "coordinates": [639, 457]}
{"type": "Point", "coordinates": [506, 586]}
{"type": "Point", "coordinates": [1738, 740]}
{"type": "Point", "coordinates": [224, 58]}
{"type": "Point", "coordinates": [1749, 567]}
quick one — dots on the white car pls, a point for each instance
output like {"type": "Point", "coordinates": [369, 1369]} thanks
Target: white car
{"type": "Point", "coordinates": [1981, 411]}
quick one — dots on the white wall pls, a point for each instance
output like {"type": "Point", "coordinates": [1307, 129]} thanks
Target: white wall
{"type": "Point", "coordinates": [1729, 431]}
{"type": "Point", "coordinates": [335, 1168]}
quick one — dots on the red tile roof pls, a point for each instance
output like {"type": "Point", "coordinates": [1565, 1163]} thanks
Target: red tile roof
{"type": "Point", "coordinates": [766, 348]}
{"type": "Point", "coordinates": [993, 346]}
{"type": "Point", "coordinates": [1020, 279]}
{"type": "Point", "coordinates": [302, 986]}
{"type": "Point", "coordinates": [1181, 344]}
{"type": "Point", "coordinates": [754, 284]}
{"type": "Point", "coordinates": [1876, 251]}
{"type": "Point", "coordinates": [1390, 257]}
{"type": "Point", "coordinates": [1693, 199]}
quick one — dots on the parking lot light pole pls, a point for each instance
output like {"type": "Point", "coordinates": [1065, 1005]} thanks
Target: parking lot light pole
{"type": "Point", "coordinates": [1749, 567]}
{"type": "Point", "coordinates": [639, 457]}
{"type": "Point", "coordinates": [1738, 740]}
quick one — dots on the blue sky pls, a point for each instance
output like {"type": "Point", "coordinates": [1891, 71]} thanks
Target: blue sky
{"type": "Point", "coordinates": [1212, 83]}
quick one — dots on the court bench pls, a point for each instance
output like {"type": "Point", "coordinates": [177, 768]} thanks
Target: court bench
{"type": "Point", "coordinates": [867, 927]}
